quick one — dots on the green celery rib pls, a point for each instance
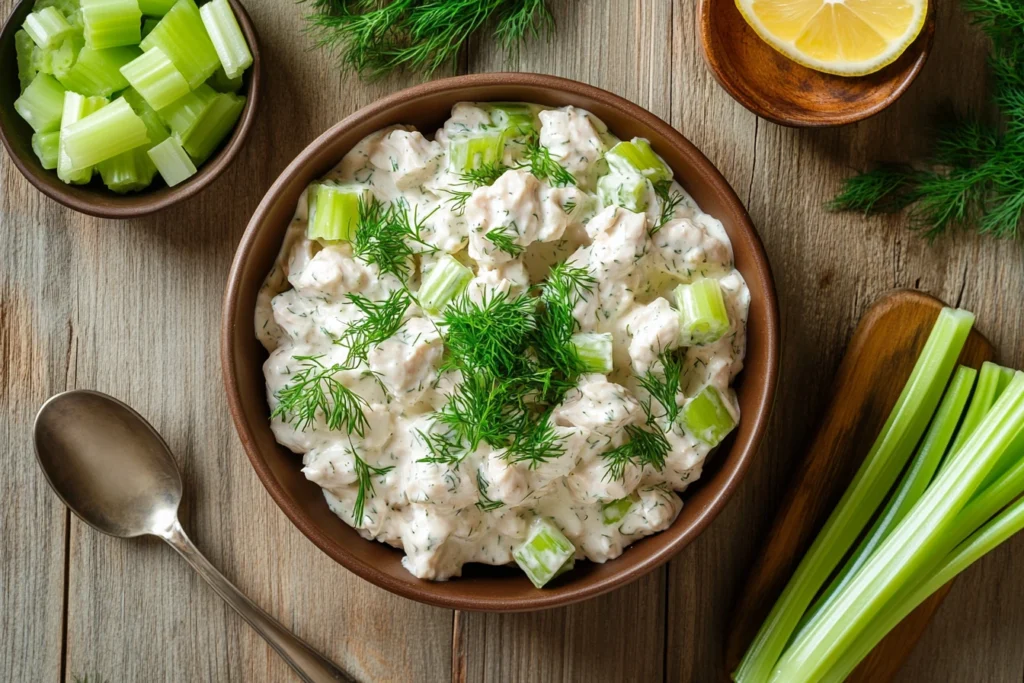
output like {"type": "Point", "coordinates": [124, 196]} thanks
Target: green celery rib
{"type": "Point", "coordinates": [1004, 375]}
{"type": "Point", "coordinates": [48, 27]}
{"type": "Point", "coordinates": [104, 134]}
{"type": "Point", "coordinates": [912, 486]}
{"type": "Point", "coordinates": [984, 396]}
{"type": "Point", "coordinates": [184, 115]}
{"type": "Point", "coordinates": [917, 540]}
{"type": "Point", "coordinates": [97, 73]}
{"type": "Point", "coordinates": [172, 162]}
{"type": "Point", "coordinates": [183, 37]}
{"type": "Point", "coordinates": [24, 49]}
{"type": "Point", "coordinates": [993, 534]}
{"type": "Point", "coordinates": [76, 107]}
{"type": "Point", "coordinates": [214, 126]}
{"type": "Point", "coordinates": [122, 173]}
{"type": "Point", "coordinates": [111, 23]}
{"type": "Point", "coordinates": [41, 104]}
{"type": "Point", "coordinates": [883, 464]}
{"type": "Point", "coordinates": [220, 82]}
{"type": "Point", "coordinates": [46, 147]}
{"type": "Point", "coordinates": [228, 39]}
{"type": "Point", "coordinates": [155, 77]}
{"type": "Point", "coordinates": [155, 129]}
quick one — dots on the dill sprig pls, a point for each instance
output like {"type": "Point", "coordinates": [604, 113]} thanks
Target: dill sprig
{"type": "Point", "coordinates": [670, 201]}
{"type": "Point", "coordinates": [483, 408]}
{"type": "Point", "coordinates": [364, 478]}
{"type": "Point", "coordinates": [543, 167]}
{"type": "Point", "coordinates": [445, 448]}
{"type": "Point", "coordinates": [643, 448]}
{"type": "Point", "coordinates": [975, 176]}
{"type": "Point", "coordinates": [503, 238]}
{"type": "Point", "coordinates": [315, 389]}
{"type": "Point", "coordinates": [488, 336]}
{"type": "Point", "coordinates": [563, 288]}
{"type": "Point", "coordinates": [457, 200]}
{"type": "Point", "coordinates": [486, 175]}
{"type": "Point", "coordinates": [663, 388]}
{"type": "Point", "coordinates": [388, 235]}
{"type": "Point", "coordinates": [535, 443]}
{"type": "Point", "coordinates": [375, 37]}
{"type": "Point", "coordinates": [382, 319]}
{"type": "Point", "coordinates": [485, 503]}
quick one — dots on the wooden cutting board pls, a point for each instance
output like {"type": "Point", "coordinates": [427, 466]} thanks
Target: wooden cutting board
{"type": "Point", "coordinates": [878, 362]}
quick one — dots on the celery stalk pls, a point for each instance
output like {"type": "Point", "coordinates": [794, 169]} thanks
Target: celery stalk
{"type": "Point", "coordinates": [148, 24]}
{"type": "Point", "coordinates": [544, 553]}
{"type": "Point", "coordinates": [172, 162]}
{"type": "Point", "coordinates": [706, 418]}
{"type": "Point", "coordinates": [916, 540]}
{"type": "Point", "coordinates": [333, 210]}
{"type": "Point", "coordinates": [883, 464]}
{"type": "Point", "coordinates": [472, 152]}
{"type": "Point", "coordinates": [981, 403]}
{"type": "Point", "coordinates": [228, 39]}
{"type": "Point", "coordinates": [998, 530]}
{"type": "Point", "coordinates": [617, 509]}
{"type": "Point", "coordinates": [122, 173]}
{"type": "Point", "coordinates": [24, 48]}
{"type": "Point", "coordinates": [220, 82]}
{"type": "Point", "coordinates": [47, 27]}
{"type": "Point", "coordinates": [155, 8]}
{"type": "Point", "coordinates": [104, 134]}
{"type": "Point", "coordinates": [214, 126]}
{"type": "Point", "coordinates": [41, 104]}
{"type": "Point", "coordinates": [46, 147]}
{"type": "Point", "coordinates": [155, 129]}
{"type": "Point", "coordinates": [512, 118]}
{"type": "Point", "coordinates": [183, 115]}
{"type": "Point", "coordinates": [61, 59]}
{"type": "Point", "coordinates": [637, 155]}
{"type": "Point", "coordinates": [595, 350]}
{"type": "Point", "coordinates": [445, 281]}
{"type": "Point", "coordinates": [111, 23]}
{"type": "Point", "coordinates": [97, 73]}
{"type": "Point", "coordinates": [630, 191]}
{"type": "Point", "coordinates": [703, 318]}
{"type": "Point", "coordinates": [154, 76]}
{"type": "Point", "coordinates": [76, 107]}
{"type": "Point", "coordinates": [1002, 380]}
{"type": "Point", "coordinates": [182, 36]}
{"type": "Point", "coordinates": [916, 479]}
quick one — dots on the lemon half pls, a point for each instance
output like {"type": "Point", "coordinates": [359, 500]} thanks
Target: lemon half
{"type": "Point", "coordinates": [844, 37]}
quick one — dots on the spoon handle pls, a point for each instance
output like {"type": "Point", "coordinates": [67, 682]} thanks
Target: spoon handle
{"type": "Point", "coordinates": [310, 665]}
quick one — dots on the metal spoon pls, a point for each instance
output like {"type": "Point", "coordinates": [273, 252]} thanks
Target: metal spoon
{"type": "Point", "coordinates": [115, 472]}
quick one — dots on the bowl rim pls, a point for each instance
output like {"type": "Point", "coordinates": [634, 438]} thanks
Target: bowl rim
{"type": "Point", "coordinates": [417, 591]}
{"type": "Point", "coordinates": [922, 43]}
{"type": "Point", "coordinates": [144, 202]}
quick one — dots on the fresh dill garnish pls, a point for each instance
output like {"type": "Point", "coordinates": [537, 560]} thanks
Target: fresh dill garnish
{"type": "Point", "coordinates": [503, 238]}
{"type": "Point", "coordinates": [483, 408]}
{"type": "Point", "coordinates": [488, 336]}
{"type": "Point", "coordinates": [457, 200]}
{"type": "Point", "coordinates": [315, 389]}
{"type": "Point", "coordinates": [543, 167]}
{"type": "Point", "coordinates": [663, 388]}
{"type": "Point", "coordinates": [564, 287]}
{"type": "Point", "coordinates": [569, 206]}
{"type": "Point", "coordinates": [535, 443]}
{"type": "Point", "coordinates": [643, 448]}
{"type": "Point", "coordinates": [975, 176]}
{"type": "Point", "coordinates": [486, 175]}
{"type": "Point", "coordinates": [380, 321]}
{"type": "Point", "coordinates": [485, 503]}
{"type": "Point", "coordinates": [364, 478]}
{"type": "Point", "coordinates": [445, 448]}
{"type": "Point", "coordinates": [670, 201]}
{"type": "Point", "coordinates": [388, 235]}
{"type": "Point", "coordinates": [375, 37]}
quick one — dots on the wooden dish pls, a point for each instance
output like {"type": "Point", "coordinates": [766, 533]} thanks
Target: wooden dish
{"type": "Point", "coordinates": [776, 88]}
{"type": "Point", "coordinates": [427, 106]}
{"type": "Point", "coordinates": [94, 198]}
{"type": "Point", "coordinates": [877, 364]}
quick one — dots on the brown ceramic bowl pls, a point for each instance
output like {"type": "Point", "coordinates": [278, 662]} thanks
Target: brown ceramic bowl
{"type": "Point", "coordinates": [93, 198]}
{"type": "Point", "coordinates": [776, 88]}
{"type": "Point", "coordinates": [490, 588]}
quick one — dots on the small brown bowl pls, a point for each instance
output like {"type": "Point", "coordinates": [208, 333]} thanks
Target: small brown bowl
{"type": "Point", "coordinates": [427, 106]}
{"type": "Point", "coordinates": [776, 88]}
{"type": "Point", "coordinates": [95, 199]}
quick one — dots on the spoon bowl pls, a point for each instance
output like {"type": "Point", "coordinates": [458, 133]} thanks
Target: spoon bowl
{"type": "Point", "coordinates": [107, 464]}
{"type": "Point", "coordinates": [778, 89]}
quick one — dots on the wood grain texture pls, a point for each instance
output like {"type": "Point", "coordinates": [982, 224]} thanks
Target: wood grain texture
{"type": "Point", "coordinates": [133, 308]}
{"type": "Point", "coordinates": [878, 361]}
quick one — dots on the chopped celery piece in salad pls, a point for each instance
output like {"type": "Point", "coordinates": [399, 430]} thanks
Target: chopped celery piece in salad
{"type": "Point", "coordinates": [706, 417]}
{"type": "Point", "coordinates": [183, 38]}
{"type": "Point", "coordinates": [637, 156]}
{"type": "Point", "coordinates": [875, 477]}
{"type": "Point", "coordinates": [47, 27]}
{"type": "Point", "coordinates": [98, 72]}
{"type": "Point", "coordinates": [104, 134]}
{"type": "Point", "coordinates": [183, 115]}
{"type": "Point", "coordinates": [24, 49]}
{"type": "Point", "coordinates": [214, 125]}
{"type": "Point", "coordinates": [42, 103]}
{"type": "Point", "coordinates": [172, 161]}
{"type": "Point", "coordinates": [445, 281]}
{"type": "Point", "coordinates": [594, 350]}
{"type": "Point", "coordinates": [544, 553]}
{"type": "Point", "coordinates": [703, 318]}
{"type": "Point", "coordinates": [512, 118]}
{"type": "Point", "coordinates": [46, 147]}
{"type": "Point", "coordinates": [630, 191]}
{"type": "Point", "coordinates": [111, 23]}
{"type": "Point", "coordinates": [155, 77]}
{"type": "Point", "coordinates": [76, 107]}
{"type": "Point", "coordinates": [473, 152]}
{"type": "Point", "coordinates": [333, 211]}
{"type": "Point", "coordinates": [617, 509]}
{"type": "Point", "coordinates": [227, 37]}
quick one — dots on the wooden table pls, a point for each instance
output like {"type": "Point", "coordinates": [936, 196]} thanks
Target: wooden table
{"type": "Point", "coordinates": [132, 308]}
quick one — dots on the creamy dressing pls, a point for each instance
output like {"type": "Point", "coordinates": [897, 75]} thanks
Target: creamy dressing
{"type": "Point", "coordinates": [481, 509]}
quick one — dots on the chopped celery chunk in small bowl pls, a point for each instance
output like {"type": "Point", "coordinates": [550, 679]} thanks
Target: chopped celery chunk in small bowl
{"type": "Point", "coordinates": [120, 108]}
